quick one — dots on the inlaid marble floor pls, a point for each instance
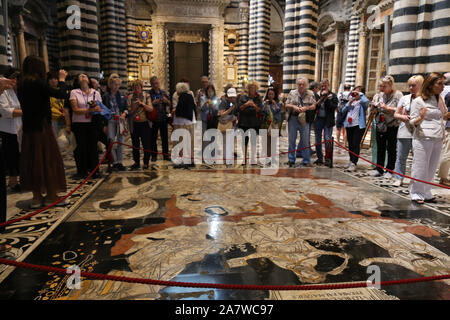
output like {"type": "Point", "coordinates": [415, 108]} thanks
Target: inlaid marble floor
{"type": "Point", "coordinates": [237, 226]}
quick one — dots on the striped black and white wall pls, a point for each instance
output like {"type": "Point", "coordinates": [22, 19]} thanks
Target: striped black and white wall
{"type": "Point", "coordinates": [113, 44]}
{"type": "Point", "coordinates": [300, 41]}
{"type": "Point", "coordinates": [352, 50]}
{"type": "Point", "coordinates": [79, 49]}
{"type": "Point", "coordinates": [420, 41]}
{"type": "Point", "coordinates": [259, 43]}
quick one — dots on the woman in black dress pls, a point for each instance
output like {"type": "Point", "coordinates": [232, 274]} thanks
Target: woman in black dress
{"type": "Point", "coordinates": [42, 167]}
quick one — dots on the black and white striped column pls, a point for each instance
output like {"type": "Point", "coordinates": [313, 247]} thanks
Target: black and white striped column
{"type": "Point", "coordinates": [352, 50]}
{"type": "Point", "coordinates": [259, 43]}
{"type": "Point", "coordinates": [420, 41]}
{"type": "Point", "coordinates": [79, 49]}
{"type": "Point", "coordinates": [300, 41]}
{"type": "Point", "coordinates": [243, 42]}
{"type": "Point", "coordinates": [113, 45]}
{"type": "Point", "coordinates": [3, 39]}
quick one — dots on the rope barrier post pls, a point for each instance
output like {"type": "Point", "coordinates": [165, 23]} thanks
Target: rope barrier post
{"type": "Point", "coordinates": [329, 150]}
{"type": "Point", "coordinates": [109, 155]}
{"type": "Point", "coordinates": [332, 152]}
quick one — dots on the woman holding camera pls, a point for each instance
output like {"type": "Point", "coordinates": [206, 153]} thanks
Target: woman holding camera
{"type": "Point", "coordinates": [386, 126]}
{"type": "Point", "coordinates": [83, 101]}
{"type": "Point", "coordinates": [428, 112]}
{"type": "Point", "coordinates": [355, 125]}
{"type": "Point", "coordinates": [139, 104]}
{"type": "Point", "coordinates": [249, 110]}
{"type": "Point", "coordinates": [272, 116]}
{"type": "Point", "coordinates": [405, 130]}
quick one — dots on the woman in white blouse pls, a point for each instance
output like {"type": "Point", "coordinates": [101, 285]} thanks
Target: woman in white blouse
{"type": "Point", "coordinates": [405, 130]}
{"type": "Point", "coordinates": [427, 115]}
{"type": "Point", "coordinates": [10, 128]}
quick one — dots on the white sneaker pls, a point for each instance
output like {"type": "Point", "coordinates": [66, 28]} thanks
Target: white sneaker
{"type": "Point", "coordinates": [397, 183]}
{"type": "Point", "coordinates": [352, 168]}
{"type": "Point", "coordinates": [375, 173]}
{"type": "Point", "coordinates": [348, 165]}
{"type": "Point", "coordinates": [387, 175]}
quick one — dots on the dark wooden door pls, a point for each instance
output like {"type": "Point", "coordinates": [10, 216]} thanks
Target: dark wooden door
{"type": "Point", "coordinates": [187, 60]}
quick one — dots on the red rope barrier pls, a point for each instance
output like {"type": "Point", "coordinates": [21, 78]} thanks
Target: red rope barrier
{"type": "Point", "coordinates": [391, 171]}
{"type": "Point", "coordinates": [97, 276]}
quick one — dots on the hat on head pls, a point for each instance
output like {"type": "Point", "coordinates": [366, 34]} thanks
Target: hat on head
{"type": "Point", "coordinates": [231, 93]}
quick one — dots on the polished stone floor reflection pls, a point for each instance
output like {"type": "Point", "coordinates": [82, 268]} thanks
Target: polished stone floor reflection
{"type": "Point", "coordinates": [237, 226]}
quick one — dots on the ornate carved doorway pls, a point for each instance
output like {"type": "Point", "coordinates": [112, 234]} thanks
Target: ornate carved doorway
{"type": "Point", "coordinates": [188, 54]}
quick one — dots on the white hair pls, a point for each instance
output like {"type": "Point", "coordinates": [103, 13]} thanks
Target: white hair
{"type": "Point", "coordinates": [182, 87]}
{"type": "Point", "coordinates": [301, 78]}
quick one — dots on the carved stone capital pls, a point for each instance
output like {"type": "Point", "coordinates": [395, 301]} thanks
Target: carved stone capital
{"type": "Point", "coordinates": [363, 31]}
{"type": "Point", "coordinates": [244, 14]}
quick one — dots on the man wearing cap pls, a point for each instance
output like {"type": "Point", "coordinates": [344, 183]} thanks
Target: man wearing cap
{"type": "Point", "coordinates": [227, 117]}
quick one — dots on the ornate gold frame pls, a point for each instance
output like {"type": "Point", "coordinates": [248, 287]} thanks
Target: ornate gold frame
{"type": "Point", "coordinates": [140, 30]}
{"type": "Point", "coordinates": [227, 38]}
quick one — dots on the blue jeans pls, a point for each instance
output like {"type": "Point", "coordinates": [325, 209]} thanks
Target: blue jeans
{"type": "Point", "coordinates": [293, 128]}
{"type": "Point", "coordinates": [113, 131]}
{"type": "Point", "coordinates": [300, 153]}
{"type": "Point", "coordinates": [404, 146]}
{"type": "Point", "coordinates": [319, 127]}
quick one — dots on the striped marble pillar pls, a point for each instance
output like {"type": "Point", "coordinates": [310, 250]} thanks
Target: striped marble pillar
{"type": "Point", "coordinates": [243, 42]}
{"type": "Point", "coordinates": [420, 41]}
{"type": "Point", "coordinates": [79, 48]}
{"type": "Point", "coordinates": [300, 41]}
{"type": "Point", "coordinates": [352, 51]}
{"type": "Point", "coordinates": [3, 39]}
{"type": "Point", "coordinates": [259, 43]}
{"type": "Point", "coordinates": [113, 45]}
